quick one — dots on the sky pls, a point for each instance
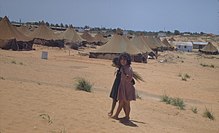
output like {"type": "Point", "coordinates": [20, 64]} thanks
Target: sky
{"type": "Point", "coordinates": [139, 15]}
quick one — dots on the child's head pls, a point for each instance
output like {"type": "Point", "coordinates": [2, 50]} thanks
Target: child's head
{"type": "Point", "coordinates": [124, 59]}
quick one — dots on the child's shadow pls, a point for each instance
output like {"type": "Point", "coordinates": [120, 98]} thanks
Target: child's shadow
{"type": "Point", "coordinates": [130, 122]}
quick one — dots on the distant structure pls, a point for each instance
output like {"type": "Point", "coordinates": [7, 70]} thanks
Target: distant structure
{"type": "Point", "coordinates": [210, 48]}
{"type": "Point", "coordinates": [161, 34]}
{"type": "Point", "coordinates": [199, 45]}
{"type": "Point", "coordinates": [183, 46]}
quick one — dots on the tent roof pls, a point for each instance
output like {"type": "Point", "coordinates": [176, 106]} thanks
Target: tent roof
{"type": "Point", "coordinates": [165, 42]}
{"type": "Point", "coordinates": [118, 44]}
{"type": "Point", "coordinates": [44, 32]}
{"type": "Point", "coordinates": [24, 29]}
{"type": "Point", "coordinates": [139, 42]}
{"type": "Point", "coordinates": [210, 47]}
{"type": "Point", "coordinates": [87, 37]}
{"type": "Point", "coordinates": [152, 42]}
{"type": "Point", "coordinates": [99, 38]}
{"type": "Point", "coordinates": [7, 31]}
{"type": "Point", "coordinates": [71, 35]}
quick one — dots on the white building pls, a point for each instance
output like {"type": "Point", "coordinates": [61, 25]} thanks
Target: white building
{"type": "Point", "coordinates": [183, 46]}
{"type": "Point", "coordinates": [161, 34]}
{"type": "Point", "coordinates": [199, 45]}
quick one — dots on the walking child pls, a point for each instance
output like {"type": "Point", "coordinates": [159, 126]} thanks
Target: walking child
{"type": "Point", "coordinates": [126, 90]}
{"type": "Point", "coordinates": [114, 91]}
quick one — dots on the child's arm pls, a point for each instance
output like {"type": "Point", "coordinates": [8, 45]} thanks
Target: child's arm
{"type": "Point", "coordinates": [129, 74]}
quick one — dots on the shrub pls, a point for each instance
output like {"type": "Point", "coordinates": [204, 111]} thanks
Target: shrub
{"type": "Point", "coordinates": [83, 85]}
{"type": "Point", "coordinates": [186, 76]}
{"type": "Point", "coordinates": [178, 102]}
{"type": "Point", "coordinates": [212, 66]}
{"type": "Point", "coordinates": [137, 76]}
{"type": "Point", "coordinates": [46, 117]}
{"type": "Point", "coordinates": [194, 110]}
{"type": "Point", "coordinates": [208, 114]}
{"type": "Point", "coordinates": [173, 101]}
{"type": "Point", "coordinates": [13, 62]}
{"type": "Point", "coordinates": [206, 65]}
{"type": "Point", "coordinates": [166, 99]}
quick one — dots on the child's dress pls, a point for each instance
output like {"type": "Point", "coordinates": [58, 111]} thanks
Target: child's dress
{"type": "Point", "coordinates": [114, 91]}
{"type": "Point", "coordinates": [126, 90]}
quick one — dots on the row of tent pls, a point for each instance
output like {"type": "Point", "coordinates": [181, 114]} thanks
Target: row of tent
{"type": "Point", "coordinates": [138, 47]}
{"type": "Point", "coordinates": [22, 38]}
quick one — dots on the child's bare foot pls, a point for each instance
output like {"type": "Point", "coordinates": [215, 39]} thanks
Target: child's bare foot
{"type": "Point", "coordinates": [127, 118]}
{"type": "Point", "coordinates": [115, 117]}
{"type": "Point", "coordinates": [110, 114]}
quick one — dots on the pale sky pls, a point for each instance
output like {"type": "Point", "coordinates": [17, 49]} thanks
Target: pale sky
{"type": "Point", "coordinates": [148, 15]}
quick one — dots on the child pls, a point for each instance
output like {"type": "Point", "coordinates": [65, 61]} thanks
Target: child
{"type": "Point", "coordinates": [126, 90]}
{"type": "Point", "coordinates": [115, 86]}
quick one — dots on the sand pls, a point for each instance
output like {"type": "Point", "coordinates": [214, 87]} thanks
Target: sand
{"type": "Point", "coordinates": [32, 88]}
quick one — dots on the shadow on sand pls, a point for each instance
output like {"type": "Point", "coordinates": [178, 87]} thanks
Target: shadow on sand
{"type": "Point", "coordinates": [130, 123]}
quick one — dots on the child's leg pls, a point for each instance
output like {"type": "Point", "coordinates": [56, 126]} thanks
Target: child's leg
{"type": "Point", "coordinates": [113, 107]}
{"type": "Point", "coordinates": [121, 104]}
{"type": "Point", "coordinates": [128, 109]}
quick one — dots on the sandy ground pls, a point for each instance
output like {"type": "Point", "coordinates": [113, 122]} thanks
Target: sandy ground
{"type": "Point", "coordinates": [31, 88]}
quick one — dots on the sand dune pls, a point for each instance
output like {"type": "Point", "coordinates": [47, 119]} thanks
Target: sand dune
{"type": "Point", "coordinates": [32, 88]}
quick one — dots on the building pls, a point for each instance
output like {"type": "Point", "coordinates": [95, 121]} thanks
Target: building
{"type": "Point", "coordinates": [199, 45]}
{"type": "Point", "coordinates": [161, 34]}
{"type": "Point", "coordinates": [183, 46]}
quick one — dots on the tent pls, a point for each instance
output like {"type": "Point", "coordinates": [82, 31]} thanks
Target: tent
{"type": "Point", "coordinates": [70, 35]}
{"type": "Point", "coordinates": [24, 29]}
{"type": "Point", "coordinates": [86, 36]}
{"type": "Point", "coordinates": [210, 48]}
{"type": "Point", "coordinates": [43, 35]}
{"type": "Point", "coordinates": [7, 31]}
{"type": "Point", "coordinates": [139, 42]}
{"type": "Point", "coordinates": [11, 38]}
{"type": "Point", "coordinates": [152, 43]}
{"type": "Point", "coordinates": [44, 32]}
{"type": "Point", "coordinates": [99, 39]}
{"type": "Point", "coordinates": [160, 43]}
{"type": "Point", "coordinates": [168, 45]}
{"type": "Point", "coordinates": [117, 45]}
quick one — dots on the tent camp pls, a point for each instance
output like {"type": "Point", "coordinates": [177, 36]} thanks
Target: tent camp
{"type": "Point", "coordinates": [117, 45]}
{"type": "Point", "coordinates": [70, 35]}
{"type": "Point", "coordinates": [87, 37]}
{"type": "Point", "coordinates": [11, 38]}
{"type": "Point", "coordinates": [210, 48]}
{"type": "Point", "coordinates": [43, 35]}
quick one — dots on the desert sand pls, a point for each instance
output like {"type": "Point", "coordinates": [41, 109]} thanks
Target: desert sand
{"type": "Point", "coordinates": [31, 88]}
